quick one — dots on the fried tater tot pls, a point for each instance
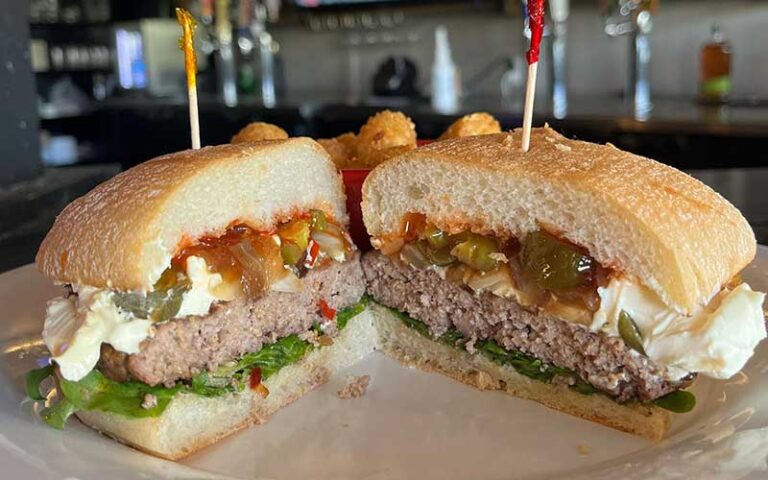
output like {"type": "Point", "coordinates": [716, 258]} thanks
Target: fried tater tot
{"type": "Point", "coordinates": [480, 123]}
{"type": "Point", "coordinates": [349, 141]}
{"type": "Point", "coordinates": [384, 135]}
{"type": "Point", "coordinates": [258, 131]}
{"type": "Point", "coordinates": [340, 154]}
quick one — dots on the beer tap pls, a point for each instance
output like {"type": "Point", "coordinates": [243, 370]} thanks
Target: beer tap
{"type": "Point", "coordinates": [225, 56]}
{"type": "Point", "coordinates": [632, 18]}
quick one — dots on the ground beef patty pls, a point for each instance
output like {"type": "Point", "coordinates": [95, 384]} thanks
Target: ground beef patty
{"type": "Point", "coordinates": [183, 347]}
{"type": "Point", "coordinates": [604, 361]}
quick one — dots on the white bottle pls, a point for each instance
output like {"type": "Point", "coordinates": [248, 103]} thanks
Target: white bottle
{"type": "Point", "coordinates": [445, 76]}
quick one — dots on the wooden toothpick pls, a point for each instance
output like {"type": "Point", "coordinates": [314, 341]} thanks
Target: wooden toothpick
{"type": "Point", "coordinates": [530, 93]}
{"type": "Point", "coordinates": [536, 25]}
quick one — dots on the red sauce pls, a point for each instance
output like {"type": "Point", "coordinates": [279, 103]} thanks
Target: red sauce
{"type": "Point", "coordinates": [314, 251]}
{"type": "Point", "coordinates": [326, 311]}
{"type": "Point", "coordinates": [255, 379]}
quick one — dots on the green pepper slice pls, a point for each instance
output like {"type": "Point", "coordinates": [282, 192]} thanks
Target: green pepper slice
{"type": "Point", "coordinates": [554, 264]}
{"type": "Point", "coordinates": [436, 238]}
{"type": "Point", "coordinates": [630, 333]}
{"type": "Point", "coordinates": [476, 252]}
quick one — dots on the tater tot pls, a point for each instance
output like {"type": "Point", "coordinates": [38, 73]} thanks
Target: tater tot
{"type": "Point", "coordinates": [258, 131]}
{"type": "Point", "coordinates": [473, 124]}
{"type": "Point", "coordinates": [385, 134]}
{"type": "Point", "coordinates": [349, 141]}
{"type": "Point", "coordinates": [339, 152]}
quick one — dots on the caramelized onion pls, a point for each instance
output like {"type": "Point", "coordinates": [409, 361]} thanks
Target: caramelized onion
{"type": "Point", "coordinates": [392, 245]}
{"type": "Point", "coordinates": [332, 242]}
{"type": "Point", "coordinates": [288, 283]}
{"type": "Point", "coordinates": [498, 281]}
{"type": "Point", "coordinates": [262, 264]}
{"type": "Point", "coordinates": [414, 256]}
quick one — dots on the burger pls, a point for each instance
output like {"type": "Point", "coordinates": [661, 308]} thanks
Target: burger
{"type": "Point", "coordinates": [204, 290]}
{"type": "Point", "coordinates": [591, 280]}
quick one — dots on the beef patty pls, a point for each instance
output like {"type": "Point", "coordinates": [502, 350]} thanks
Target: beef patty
{"type": "Point", "coordinates": [183, 347]}
{"type": "Point", "coordinates": [602, 360]}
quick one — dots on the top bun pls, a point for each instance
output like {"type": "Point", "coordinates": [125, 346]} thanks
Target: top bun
{"type": "Point", "coordinates": [123, 233]}
{"type": "Point", "coordinates": [678, 236]}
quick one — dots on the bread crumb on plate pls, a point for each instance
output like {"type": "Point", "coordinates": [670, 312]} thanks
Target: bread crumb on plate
{"type": "Point", "coordinates": [355, 386]}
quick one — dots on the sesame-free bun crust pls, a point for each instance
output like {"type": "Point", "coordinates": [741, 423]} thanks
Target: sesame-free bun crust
{"type": "Point", "coordinates": [123, 233]}
{"type": "Point", "coordinates": [643, 218]}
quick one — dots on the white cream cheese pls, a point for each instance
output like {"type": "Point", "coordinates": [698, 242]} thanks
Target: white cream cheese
{"type": "Point", "coordinates": [76, 326]}
{"type": "Point", "coordinates": [207, 287]}
{"type": "Point", "coordinates": [716, 340]}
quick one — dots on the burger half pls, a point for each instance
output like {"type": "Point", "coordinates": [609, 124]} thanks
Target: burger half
{"type": "Point", "coordinates": [204, 290]}
{"type": "Point", "coordinates": [594, 281]}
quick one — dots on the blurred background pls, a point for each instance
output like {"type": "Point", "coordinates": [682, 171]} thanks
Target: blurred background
{"type": "Point", "coordinates": [91, 87]}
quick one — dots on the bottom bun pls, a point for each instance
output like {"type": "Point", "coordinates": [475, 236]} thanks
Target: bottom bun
{"type": "Point", "coordinates": [191, 422]}
{"type": "Point", "coordinates": [411, 348]}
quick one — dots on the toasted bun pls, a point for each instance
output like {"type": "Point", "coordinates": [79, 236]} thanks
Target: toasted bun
{"type": "Point", "coordinates": [411, 348]}
{"type": "Point", "coordinates": [123, 234]}
{"type": "Point", "coordinates": [191, 422]}
{"type": "Point", "coordinates": [643, 218]}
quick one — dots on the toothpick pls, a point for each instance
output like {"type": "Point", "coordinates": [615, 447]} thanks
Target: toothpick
{"type": "Point", "coordinates": [186, 43]}
{"type": "Point", "coordinates": [536, 26]}
{"type": "Point", "coordinates": [530, 94]}
{"type": "Point", "coordinates": [194, 117]}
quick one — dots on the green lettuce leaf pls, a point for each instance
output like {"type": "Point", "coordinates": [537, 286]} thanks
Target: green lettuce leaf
{"type": "Point", "coordinates": [678, 402]}
{"type": "Point", "coordinates": [57, 414]}
{"type": "Point", "coordinates": [524, 364]}
{"type": "Point", "coordinates": [345, 314]}
{"type": "Point", "coordinates": [532, 367]}
{"type": "Point", "coordinates": [97, 392]}
{"type": "Point", "coordinates": [34, 379]}
{"type": "Point", "coordinates": [270, 359]}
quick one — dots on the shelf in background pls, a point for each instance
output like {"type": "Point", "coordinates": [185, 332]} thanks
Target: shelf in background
{"type": "Point", "coordinates": [50, 112]}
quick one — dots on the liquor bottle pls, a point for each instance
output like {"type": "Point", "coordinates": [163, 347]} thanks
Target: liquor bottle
{"type": "Point", "coordinates": [715, 67]}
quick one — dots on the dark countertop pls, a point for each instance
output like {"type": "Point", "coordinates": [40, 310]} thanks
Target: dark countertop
{"type": "Point", "coordinates": [678, 132]}
{"type": "Point", "coordinates": [31, 209]}
{"type": "Point", "coordinates": [28, 209]}
{"type": "Point", "coordinates": [668, 115]}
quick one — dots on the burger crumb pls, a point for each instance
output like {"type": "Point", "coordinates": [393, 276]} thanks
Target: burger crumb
{"type": "Point", "coordinates": [583, 449]}
{"type": "Point", "coordinates": [355, 387]}
{"type": "Point", "coordinates": [150, 401]}
{"type": "Point", "coordinates": [310, 336]}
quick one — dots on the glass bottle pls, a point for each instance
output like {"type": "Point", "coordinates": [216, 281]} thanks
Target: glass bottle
{"type": "Point", "coordinates": [715, 83]}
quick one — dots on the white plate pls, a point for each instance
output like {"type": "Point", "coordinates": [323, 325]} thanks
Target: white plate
{"type": "Point", "coordinates": [410, 424]}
